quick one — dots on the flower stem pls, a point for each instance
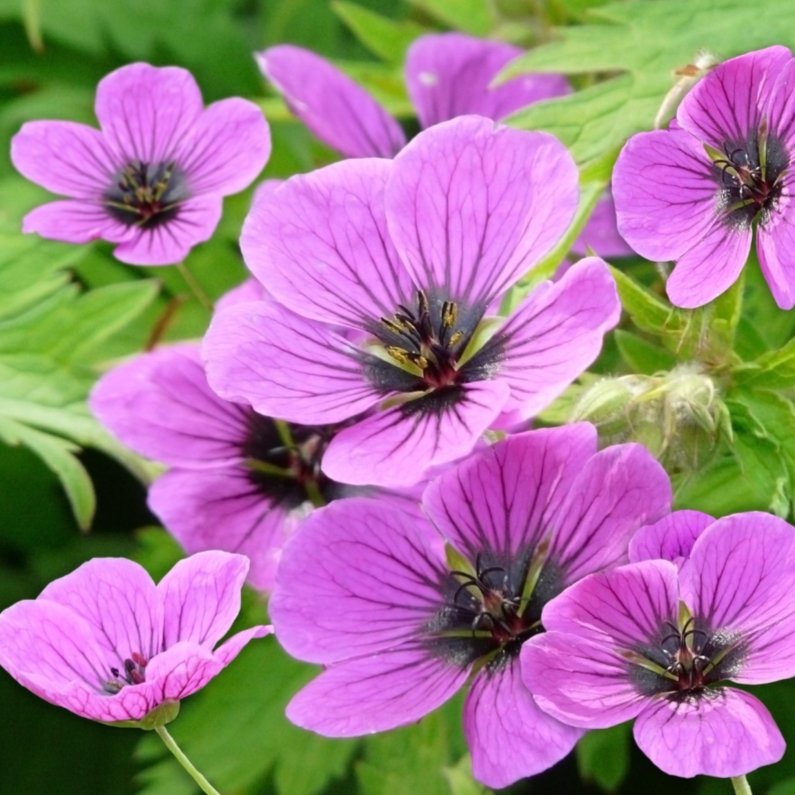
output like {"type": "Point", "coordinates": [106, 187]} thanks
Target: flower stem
{"type": "Point", "coordinates": [194, 286]}
{"type": "Point", "coordinates": [741, 785]}
{"type": "Point", "coordinates": [204, 785]}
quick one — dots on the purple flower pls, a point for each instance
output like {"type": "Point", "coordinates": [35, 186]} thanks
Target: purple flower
{"type": "Point", "coordinates": [402, 614]}
{"type": "Point", "coordinates": [693, 193]}
{"type": "Point", "coordinates": [108, 644]}
{"type": "Point", "coordinates": [654, 641]}
{"type": "Point", "coordinates": [408, 255]}
{"type": "Point", "coordinates": [152, 179]}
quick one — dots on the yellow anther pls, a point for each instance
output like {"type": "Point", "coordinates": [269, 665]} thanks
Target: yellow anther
{"type": "Point", "coordinates": [399, 355]}
{"type": "Point", "coordinates": [449, 314]}
{"type": "Point", "coordinates": [455, 339]}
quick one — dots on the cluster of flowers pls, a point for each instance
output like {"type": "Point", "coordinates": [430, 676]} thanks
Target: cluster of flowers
{"type": "Point", "coordinates": [335, 427]}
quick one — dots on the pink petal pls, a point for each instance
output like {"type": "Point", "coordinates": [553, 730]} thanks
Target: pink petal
{"type": "Point", "coordinates": [337, 110]}
{"type": "Point", "coordinates": [223, 509]}
{"type": "Point", "coordinates": [250, 290]}
{"type": "Point", "coordinates": [74, 222]}
{"type": "Point", "coordinates": [723, 733]}
{"type": "Point", "coordinates": [579, 681]}
{"type": "Point", "coordinates": [228, 650]}
{"type": "Point", "coordinates": [601, 232]}
{"type": "Point", "coordinates": [285, 366]}
{"type": "Point", "coordinates": [64, 157]}
{"type": "Point", "coordinates": [554, 335]}
{"type": "Point", "coordinates": [671, 538]}
{"type": "Point", "coordinates": [319, 243]}
{"type": "Point", "coordinates": [780, 104]}
{"type": "Point", "coordinates": [775, 245]}
{"type": "Point", "coordinates": [396, 447]}
{"type": "Point", "coordinates": [509, 737]}
{"type": "Point", "coordinates": [171, 241]}
{"type": "Point", "coordinates": [472, 205]}
{"type": "Point", "coordinates": [450, 74]}
{"type": "Point", "coordinates": [146, 112]}
{"type": "Point", "coordinates": [503, 498]}
{"type": "Point", "coordinates": [201, 597]}
{"type": "Point", "coordinates": [161, 406]}
{"type": "Point", "coordinates": [377, 693]}
{"type": "Point", "coordinates": [227, 148]}
{"type": "Point", "coordinates": [359, 577]}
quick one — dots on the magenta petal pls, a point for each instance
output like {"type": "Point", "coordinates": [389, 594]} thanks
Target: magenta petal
{"type": "Point", "coordinates": [555, 335]}
{"type": "Point", "coordinates": [397, 446]}
{"type": "Point", "coordinates": [304, 373]}
{"type": "Point", "coordinates": [180, 670]}
{"type": "Point", "coordinates": [321, 616]}
{"type": "Point", "coordinates": [118, 599]}
{"type": "Point", "coordinates": [508, 735]}
{"type": "Point", "coordinates": [728, 104]}
{"type": "Point", "coordinates": [578, 681]}
{"type": "Point", "coordinates": [449, 75]}
{"type": "Point", "coordinates": [504, 497]}
{"type": "Point", "coordinates": [74, 222]}
{"type": "Point", "coordinates": [473, 205]}
{"type": "Point", "coordinates": [665, 193]}
{"type": "Point", "coordinates": [628, 604]}
{"type": "Point", "coordinates": [377, 693]}
{"type": "Point", "coordinates": [201, 597]}
{"type": "Point", "coordinates": [601, 232]}
{"type": "Point", "coordinates": [617, 491]}
{"type": "Point", "coordinates": [64, 157]}
{"type": "Point", "coordinates": [775, 245]}
{"type": "Point", "coordinates": [228, 650]}
{"type": "Point", "coordinates": [319, 243]}
{"type": "Point", "coordinates": [226, 149]}
{"type": "Point", "coordinates": [250, 290]}
{"type": "Point", "coordinates": [739, 568]}
{"type": "Point", "coordinates": [146, 112]}
{"type": "Point", "coordinates": [223, 509]}
{"type": "Point", "coordinates": [723, 733]}
{"type": "Point", "coordinates": [671, 538]}
{"type": "Point", "coordinates": [171, 242]}
{"type": "Point", "coordinates": [337, 110]}
{"type": "Point", "coordinates": [161, 406]}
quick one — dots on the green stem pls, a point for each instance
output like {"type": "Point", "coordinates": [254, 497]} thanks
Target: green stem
{"type": "Point", "coordinates": [194, 286]}
{"type": "Point", "coordinates": [204, 785]}
{"type": "Point", "coordinates": [741, 785]}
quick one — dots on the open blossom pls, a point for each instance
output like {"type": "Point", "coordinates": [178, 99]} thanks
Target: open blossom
{"type": "Point", "coordinates": [408, 256]}
{"type": "Point", "coordinates": [403, 611]}
{"type": "Point", "coordinates": [656, 640]}
{"type": "Point", "coordinates": [153, 177]}
{"type": "Point", "coordinates": [447, 75]}
{"type": "Point", "coordinates": [694, 192]}
{"type": "Point", "coordinates": [108, 644]}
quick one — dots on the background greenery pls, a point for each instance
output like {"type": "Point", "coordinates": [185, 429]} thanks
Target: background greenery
{"type": "Point", "coordinates": [68, 492]}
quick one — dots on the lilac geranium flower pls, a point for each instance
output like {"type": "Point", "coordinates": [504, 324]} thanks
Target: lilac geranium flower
{"type": "Point", "coordinates": [403, 613]}
{"type": "Point", "coordinates": [408, 255]}
{"type": "Point", "coordinates": [108, 644]}
{"type": "Point", "coordinates": [656, 642]}
{"type": "Point", "coordinates": [153, 177]}
{"type": "Point", "coordinates": [694, 192]}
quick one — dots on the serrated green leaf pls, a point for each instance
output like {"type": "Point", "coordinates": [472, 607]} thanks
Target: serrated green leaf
{"type": "Point", "coordinates": [603, 756]}
{"type": "Point", "coordinates": [385, 37]}
{"type": "Point", "coordinates": [649, 312]}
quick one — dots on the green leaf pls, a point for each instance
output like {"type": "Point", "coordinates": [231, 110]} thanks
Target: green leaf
{"type": "Point", "coordinates": [642, 356]}
{"type": "Point", "coordinates": [648, 312]}
{"type": "Point", "coordinates": [772, 370]}
{"type": "Point", "coordinates": [460, 780]}
{"type": "Point", "coordinates": [471, 16]}
{"type": "Point", "coordinates": [387, 38]}
{"type": "Point", "coordinates": [603, 756]}
{"type": "Point", "coordinates": [644, 42]}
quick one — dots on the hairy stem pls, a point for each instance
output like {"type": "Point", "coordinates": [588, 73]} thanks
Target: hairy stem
{"type": "Point", "coordinates": [741, 785]}
{"type": "Point", "coordinates": [204, 785]}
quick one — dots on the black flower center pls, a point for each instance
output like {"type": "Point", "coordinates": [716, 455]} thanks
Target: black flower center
{"type": "Point", "coordinates": [146, 195]}
{"type": "Point", "coordinates": [133, 672]}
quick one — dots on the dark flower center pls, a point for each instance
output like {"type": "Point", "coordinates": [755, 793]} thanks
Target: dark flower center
{"type": "Point", "coordinates": [146, 195]}
{"type": "Point", "coordinates": [133, 672]}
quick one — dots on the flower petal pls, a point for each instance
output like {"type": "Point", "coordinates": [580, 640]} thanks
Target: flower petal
{"type": "Point", "coordinates": [359, 577]}
{"type": "Point", "coordinates": [502, 498]}
{"type": "Point", "coordinates": [320, 244]}
{"type": "Point", "coordinates": [775, 245]}
{"type": "Point", "coordinates": [377, 693]}
{"type": "Point", "coordinates": [450, 74]}
{"type": "Point", "coordinates": [285, 366]}
{"type": "Point", "coordinates": [146, 111]}
{"type": "Point", "coordinates": [579, 681]}
{"type": "Point", "coordinates": [223, 509]}
{"type": "Point", "coordinates": [600, 233]}
{"type": "Point", "coordinates": [337, 110]}
{"type": "Point", "coordinates": [201, 597]}
{"type": "Point", "coordinates": [671, 538]}
{"type": "Point", "coordinates": [738, 570]}
{"type": "Point", "coordinates": [553, 336]}
{"type": "Point", "coordinates": [508, 735]}
{"type": "Point", "coordinates": [74, 222]}
{"type": "Point", "coordinates": [227, 148]}
{"type": "Point", "coordinates": [118, 599]}
{"type": "Point", "coordinates": [250, 290]}
{"type": "Point", "coordinates": [64, 157]}
{"type": "Point", "coordinates": [161, 406]}
{"type": "Point", "coordinates": [728, 733]}
{"type": "Point", "coordinates": [396, 447]}
{"type": "Point", "coordinates": [229, 649]}
{"type": "Point", "coordinates": [472, 206]}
